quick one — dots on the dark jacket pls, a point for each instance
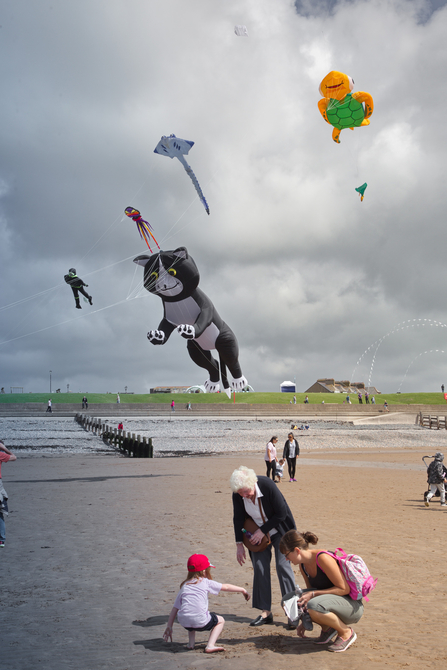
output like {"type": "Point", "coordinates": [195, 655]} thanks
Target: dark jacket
{"type": "Point", "coordinates": [285, 453]}
{"type": "Point", "coordinates": [435, 472]}
{"type": "Point", "coordinates": [75, 282]}
{"type": "Point", "coordinates": [276, 510]}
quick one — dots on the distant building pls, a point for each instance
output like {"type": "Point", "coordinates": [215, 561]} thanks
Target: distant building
{"type": "Point", "coordinates": [169, 389]}
{"type": "Point", "coordinates": [331, 386]}
{"type": "Point", "coordinates": [287, 387]}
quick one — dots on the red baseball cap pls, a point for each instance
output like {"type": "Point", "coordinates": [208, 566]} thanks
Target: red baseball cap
{"type": "Point", "coordinates": [198, 562]}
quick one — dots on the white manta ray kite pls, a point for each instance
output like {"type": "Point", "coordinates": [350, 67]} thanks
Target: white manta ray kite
{"type": "Point", "coordinates": [174, 147]}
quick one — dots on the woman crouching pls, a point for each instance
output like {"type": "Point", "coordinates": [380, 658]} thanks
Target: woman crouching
{"type": "Point", "coordinates": [326, 597]}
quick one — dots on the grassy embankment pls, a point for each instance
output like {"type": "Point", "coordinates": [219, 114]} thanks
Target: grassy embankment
{"type": "Point", "coordinates": [220, 398]}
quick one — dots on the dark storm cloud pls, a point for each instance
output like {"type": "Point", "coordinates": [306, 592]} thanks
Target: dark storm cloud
{"type": "Point", "coordinates": [306, 275]}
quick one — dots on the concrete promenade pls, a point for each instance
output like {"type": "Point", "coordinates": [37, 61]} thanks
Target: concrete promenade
{"type": "Point", "coordinates": [300, 413]}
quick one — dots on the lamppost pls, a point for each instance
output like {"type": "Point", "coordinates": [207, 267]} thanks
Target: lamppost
{"type": "Point", "coordinates": [50, 382]}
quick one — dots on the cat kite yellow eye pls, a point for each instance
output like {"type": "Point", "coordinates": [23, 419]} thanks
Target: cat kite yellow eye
{"type": "Point", "coordinates": [153, 275]}
{"type": "Point", "coordinates": [172, 272]}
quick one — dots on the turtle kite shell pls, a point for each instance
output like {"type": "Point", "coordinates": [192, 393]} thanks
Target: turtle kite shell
{"type": "Point", "coordinates": [346, 113]}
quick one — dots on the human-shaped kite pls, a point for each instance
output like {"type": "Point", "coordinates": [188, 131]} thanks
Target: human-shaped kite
{"type": "Point", "coordinates": [77, 286]}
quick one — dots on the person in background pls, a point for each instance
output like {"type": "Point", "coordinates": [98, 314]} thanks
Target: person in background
{"type": "Point", "coordinates": [270, 457]}
{"type": "Point", "coordinates": [290, 453]}
{"type": "Point", "coordinates": [306, 400]}
{"type": "Point", "coordinates": [84, 402]}
{"type": "Point", "coordinates": [436, 479]}
{"type": "Point", "coordinates": [120, 426]}
{"type": "Point", "coordinates": [50, 406]}
{"type": "Point", "coordinates": [5, 457]}
{"type": "Point", "coordinates": [280, 470]}
{"type": "Point", "coordinates": [118, 399]}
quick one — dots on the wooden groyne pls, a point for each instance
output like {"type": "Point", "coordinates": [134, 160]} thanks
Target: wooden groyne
{"type": "Point", "coordinates": [430, 421]}
{"type": "Point", "coordinates": [128, 444]}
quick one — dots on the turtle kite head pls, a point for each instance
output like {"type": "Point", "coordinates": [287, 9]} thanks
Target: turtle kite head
{"type": "Point", "coordinates": [336, 85]}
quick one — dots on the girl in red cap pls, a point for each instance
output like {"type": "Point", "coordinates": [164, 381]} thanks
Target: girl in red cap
{"type": "Point", "coordinates": [191, 604]}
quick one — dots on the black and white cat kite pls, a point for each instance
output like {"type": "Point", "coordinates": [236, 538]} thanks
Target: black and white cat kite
{"type": "Point", "coordinates": [174, 276]}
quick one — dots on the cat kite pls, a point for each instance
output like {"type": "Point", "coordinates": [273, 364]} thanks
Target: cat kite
{"type": "Point", "coordinates": [341, 108]}
{"type": "Point", "coordinates": [173, 275]}
{"type": "Point", "coordinates": [361, 190]}
{"type": "Point", "coordinates": [144, 227]}
{"type": "Point", "coordinates": [174, 147]}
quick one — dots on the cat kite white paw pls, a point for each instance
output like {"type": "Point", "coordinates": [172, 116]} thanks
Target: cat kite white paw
{"type": "Point", "coordinates": [211, 387]}
{"type": "Point", "coordinates": [239, 384]}
{"type": "Point", "coordinates": [156, 337]}
{"type": "Point", "coordinates": [186, 331]}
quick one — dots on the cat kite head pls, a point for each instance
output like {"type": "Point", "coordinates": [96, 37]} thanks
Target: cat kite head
{"type": "Point", "coordinates": [172, 275]}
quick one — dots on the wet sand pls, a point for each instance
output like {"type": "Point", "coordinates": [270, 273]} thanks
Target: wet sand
{"type": "Point", "coordinates": [97, 546]}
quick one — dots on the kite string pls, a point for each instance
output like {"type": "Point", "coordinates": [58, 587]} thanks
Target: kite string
{"type": "Point", "coordinates": [61, 323]}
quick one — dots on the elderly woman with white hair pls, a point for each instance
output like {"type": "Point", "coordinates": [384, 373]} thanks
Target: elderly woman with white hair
{"type": "Point", "coordinates": [260, 499]}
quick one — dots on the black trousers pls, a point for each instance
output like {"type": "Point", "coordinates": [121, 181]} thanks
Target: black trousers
{"type": "Point", "coordinates": [291, 465]}
{"type": "Point", "coordinates": [271, 468]}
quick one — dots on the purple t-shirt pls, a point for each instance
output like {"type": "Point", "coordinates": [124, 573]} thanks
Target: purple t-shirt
{"type": "Point", "coordinates": [192, 602]}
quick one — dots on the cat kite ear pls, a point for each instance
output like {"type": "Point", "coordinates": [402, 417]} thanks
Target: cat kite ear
{"type": "Point", "coordinates": [182, 253]}
{"type": "Point", "coordinates": [141, 260]}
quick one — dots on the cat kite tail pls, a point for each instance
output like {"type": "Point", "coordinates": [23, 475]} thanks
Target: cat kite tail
{"type": "Point", "coordinates": [341, 108]}
{"type": "Point", "coordinates": [174, 277]}
{"type": "Point", "coordinates": [361, 190]}
{"type": "Point", "coordinates": [174, 147]}
{"type": "Point", "coordinates": [144, 227]}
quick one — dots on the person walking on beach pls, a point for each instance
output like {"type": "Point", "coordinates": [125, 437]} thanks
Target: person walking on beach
{"type": "Point", "coordinates": [436, 479]}
{"type": "Point", "coordinates": [290, 453]}
{"type": "Point", "coordinates": [50, 406]}
{"type": "Point", "coordinates": [261, 499]}
{"type": "Point", "coordinates": [327, 597]}
{"type": "Point", "coordinates": [5, 457]}
{"type": "Point", "coordinates": [191, 604]}
{"type": "Point", "coordinates": [270, 457]}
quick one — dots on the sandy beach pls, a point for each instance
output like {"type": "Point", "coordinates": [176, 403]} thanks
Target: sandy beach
{"type": "Point", "coordinates": [97, 546]}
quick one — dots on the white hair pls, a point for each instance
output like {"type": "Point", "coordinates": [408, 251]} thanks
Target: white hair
{"type": "Point", "coordinates": [243, 478]}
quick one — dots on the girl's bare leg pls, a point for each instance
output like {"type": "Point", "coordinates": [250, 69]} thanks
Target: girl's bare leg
{"type": "Point", "coordinates": [191, 639]}
{"type": "Point", "coordinates": [211, 646]}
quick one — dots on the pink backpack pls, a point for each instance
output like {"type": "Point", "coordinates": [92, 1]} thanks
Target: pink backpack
{"type": "Point", "coordinates": [356, 573]}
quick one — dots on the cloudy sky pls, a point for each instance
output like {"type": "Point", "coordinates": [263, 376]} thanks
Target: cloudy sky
{"type": "Point", "coordinates": [313, 282]}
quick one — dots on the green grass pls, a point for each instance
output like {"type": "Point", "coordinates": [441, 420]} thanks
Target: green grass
{"type": "Point", "coordinates": [220, 398]}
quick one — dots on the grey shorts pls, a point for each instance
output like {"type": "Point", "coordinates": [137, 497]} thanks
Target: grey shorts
{"type": "Point", "coordinates": [347, 609]}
